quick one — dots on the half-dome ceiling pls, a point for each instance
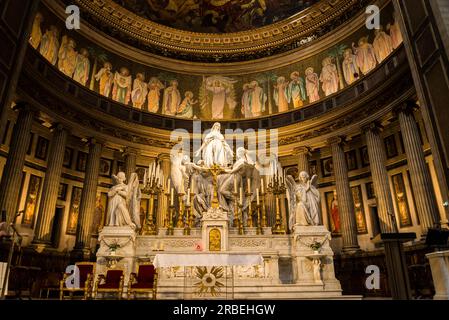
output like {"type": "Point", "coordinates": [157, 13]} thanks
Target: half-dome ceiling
{"type": "Point", "coordinates": [216, 16]}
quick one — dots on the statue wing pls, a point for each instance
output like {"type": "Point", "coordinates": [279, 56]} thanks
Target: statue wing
{"type": "Point", "coordinates": [314, 180]}
{"type": "Point", "coordinates": [291, 192]}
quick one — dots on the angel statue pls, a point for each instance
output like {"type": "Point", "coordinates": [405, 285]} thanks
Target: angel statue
{"type": "Point", "coordinates": [124, 202]}
{"type": "Point", "coordinates": [243, 172]}
{"type": "Point", "coordinates": [304, 200]}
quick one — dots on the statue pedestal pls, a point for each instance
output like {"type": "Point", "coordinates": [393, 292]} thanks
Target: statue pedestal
{"type": "Point", "coordinates": [215, 230]}
{"type": "Point", "coordinates": [117, 250]}
{"type": "Point", "coordinates": [439, 264]}
{"type": "Point", "coordinates": [305, 264]}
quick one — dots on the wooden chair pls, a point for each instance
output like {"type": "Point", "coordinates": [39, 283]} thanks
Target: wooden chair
{"type": "Point", "coordinates": [86, 274]}
{"type": "Point", "coordinates": [112, 282]}
{"type": "Point", "coordinates": [144, 281]}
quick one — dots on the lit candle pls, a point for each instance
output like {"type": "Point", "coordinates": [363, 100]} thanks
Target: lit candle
{"type": "Point", "coordinates": [168, 184]}
{"type": "Point", "coordinates": [249, 185]}
{"type": "Point", "coordinates": [235, 184]}
{"type": "Point", "coordinates": [154, 169]}
{"type": "Point", "coordinates": [257, 195]}
{"type": "Point", "coordinates": [262, 185]}
{"type": "Point", "coordinates": [172, 197]}
{"type": "Point", "coordinates": [241, 195]}
{"type": "Point", "coordinates": [188, 197]}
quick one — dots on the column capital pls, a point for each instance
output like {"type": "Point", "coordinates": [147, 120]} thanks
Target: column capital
{"type": "Point", "coordinates": [130, 151]}
{"type": "Point", "coordinates": [58, 127]}
{"type": "Point", "coordinates": [302, 150]}
{"type": "Point", "coordinates": [23, 106]}
{"type": "Point", "coordinates": [337, 140]}
{"type": "Point", "coordinates": [407, 107]}
{"type": "Point", "coordinates": [163, 157]}
{"type": "Point", "coordinates": [374, 127]}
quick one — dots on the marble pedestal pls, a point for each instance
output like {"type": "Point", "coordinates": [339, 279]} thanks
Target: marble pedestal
{"type": "Point", "coordinates": [121, 258]}
{"type": "Point", "coordinates": [439, 264]}
{"type": "Point", "coordinates": [313, 267]}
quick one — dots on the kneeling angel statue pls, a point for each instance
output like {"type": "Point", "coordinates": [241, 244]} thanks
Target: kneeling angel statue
{"type": "Point", "coordinates": [304, 200]}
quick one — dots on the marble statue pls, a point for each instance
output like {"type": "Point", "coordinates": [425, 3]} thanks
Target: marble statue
{"type": "Point", "coordinates": [243, 172]}
{"type": "Point", "coordinates": [178, 173]}
{"type": "Point", "coordinates": [215, 150]}
{"type": "Point", "coordinates": [304, 200]}
{"type": "Point", "coordinates": [203, 190]}
{"type": "Point", "coordinates": [124, 202]}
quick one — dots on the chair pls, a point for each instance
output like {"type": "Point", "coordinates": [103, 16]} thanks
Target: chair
{"type": "Point", "coordinates": [144, 281]}
{"type": "Point", "coordinates": [111, 282]}
{"type": "Point", "coordinates": [86, 276]}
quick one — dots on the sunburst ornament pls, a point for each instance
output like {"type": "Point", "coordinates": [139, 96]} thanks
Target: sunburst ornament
{"type": "Point", "coordinates": [210, 281]}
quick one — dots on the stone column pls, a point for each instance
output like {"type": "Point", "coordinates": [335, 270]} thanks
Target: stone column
{"type": "Point", "coordinates": [88, 199]}
{"type": "Point", "coordinates": [130, 155]}
{"type": "Point", "coordinates": [378, 161]}
{"type": "Point", "coordinates": [303, 156]}
{"type": "Point", "coordinates": [345, 201]}
{"type": "Point", "coordinates": [12, 172]}
{"type": "Point", "coordinates": [430, 79]}
{"type": "Point", "coordinates": [162, 204]}
{"type": "Point", "coordinates": [19, 28]}
{"type": "Point", "coordinates": [51, 186]}
{"type": "Point", "coordinates": [419, 172]}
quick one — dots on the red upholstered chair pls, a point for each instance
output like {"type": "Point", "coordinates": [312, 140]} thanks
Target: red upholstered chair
{"type": "Point", "coordinates": [112, 282]}
{"type": "Point", "coordinates": [144, 281]}
{"type": "Point", "coordinates": [86, 272]}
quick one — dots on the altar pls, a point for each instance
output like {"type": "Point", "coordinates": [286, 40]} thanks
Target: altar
{"type": "Point", "coordinates": [216, 241]}
{"type": "Point", "coordinates": [208, 275]}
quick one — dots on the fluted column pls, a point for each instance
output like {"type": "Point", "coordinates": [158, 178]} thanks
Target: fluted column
{"type": "Point", "coordinates": [12, 172]}
{"type": "Point", "coordinates": [130, 155]}
{"type": "Point", "coordinates": [419, 171]}
{"type": "Point", "coordinates": [88, 197]}
{"type": "Point", "coordinates": [164, 160]}
{"type": "Point", "coordinates": [378, 165]}
{"type": "Point", "coordinates": [303, 156]}
{"type": "Point", "coordinates": [51, 186]}
{"type": "Point", "coordinates": [345, 201]}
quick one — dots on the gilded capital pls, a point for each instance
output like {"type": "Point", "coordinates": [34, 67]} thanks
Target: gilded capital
{"type": "Point", "coordinates": [335, 140]}
{"type": "Point", "coordinates": [374, 127]}
{"type": "Point", "coordinates": [302, 150]}
{"type": "Point", "coordinates": [407, 107]}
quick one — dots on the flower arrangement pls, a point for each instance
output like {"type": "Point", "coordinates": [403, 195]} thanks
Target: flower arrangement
{"type": "Point", "coordinates": [316, 246]}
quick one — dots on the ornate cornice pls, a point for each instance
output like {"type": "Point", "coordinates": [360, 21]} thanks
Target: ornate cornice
{"type": "Point", "coordinates": [283, 36]}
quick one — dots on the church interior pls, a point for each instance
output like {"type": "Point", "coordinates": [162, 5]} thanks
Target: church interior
{"type": "Point", "coordinates": [224, 149]}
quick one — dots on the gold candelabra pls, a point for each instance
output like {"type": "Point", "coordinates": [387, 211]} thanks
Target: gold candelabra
{"type": "Point", "coordinates": [171, 212]}
{"type": "Point", "coordinates": [180, 222]}
{"type": "Point", "coordinates": [259, 228]}
{"type": "Point", "coordinates": [189, 216]}
{"type": "Point", "coordinates": [264, 210]}
{"type": "Point", "coordinates": [152, 187]}
{"type": "Point", "coordinates": [277, 187]}
{"type": "Point", "coordinates": [249, 221]}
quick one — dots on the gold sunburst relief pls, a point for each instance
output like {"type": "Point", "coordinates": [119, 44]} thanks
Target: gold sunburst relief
{"type": "Point", "coordinates": [209, 281]}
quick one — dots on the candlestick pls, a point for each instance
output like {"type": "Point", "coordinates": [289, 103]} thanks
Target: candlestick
{"type": "Point", "coordinates": [172, 197]}
{"type": "Point", "coordinates": [235, 184]}
{"type": "Point", "coordinates": [257, 196]}
{"type": "Point", "coordinates": [262, 182]}
{"type": "Point", "coordinates": [241, 196]}
{"type": "Point", "coordinates": [145, 177]}
{"type": "Point", "coordinates": [188, 196]}
{"type": "Point", "coordinates": [249, 185]}
{"type": "Point", "coordinates": [168, 184]}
